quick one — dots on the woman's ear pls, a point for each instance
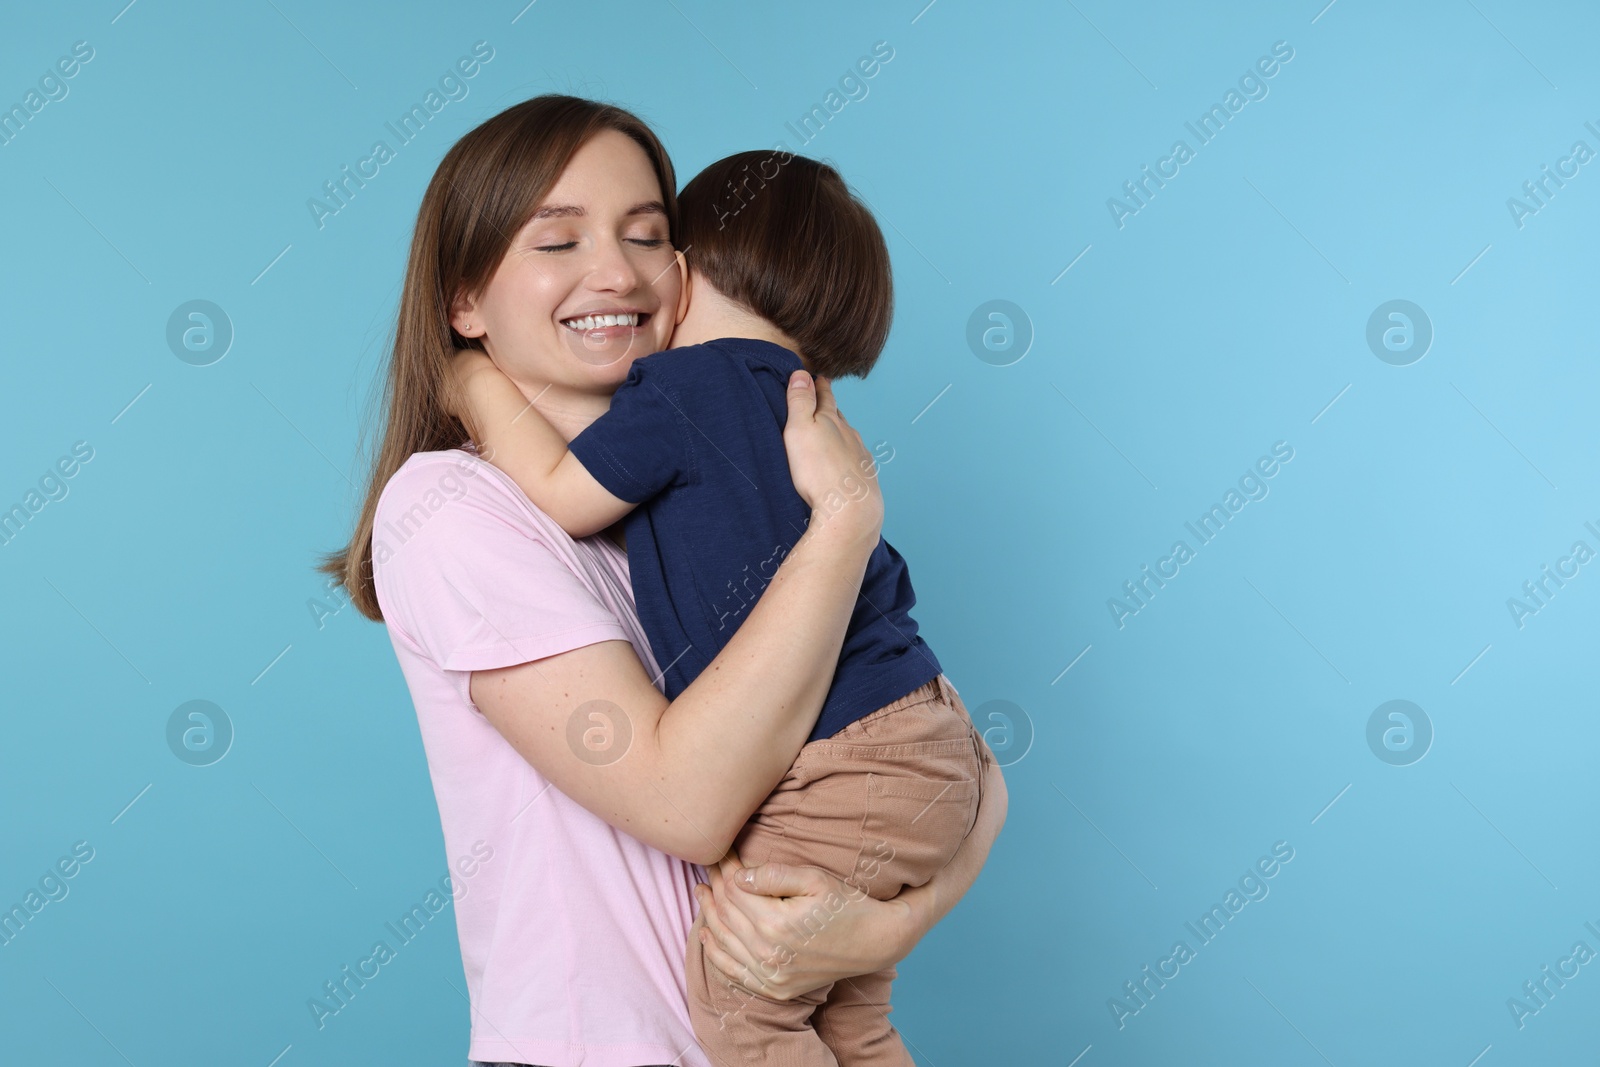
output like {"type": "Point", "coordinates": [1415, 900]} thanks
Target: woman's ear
{"type": "Point", "coordinates": [683, 293]}
{"type": "Point", "coordinates": [463, 317]}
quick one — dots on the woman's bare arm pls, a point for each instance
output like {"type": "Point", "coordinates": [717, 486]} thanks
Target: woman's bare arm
{"type": "Point", "coordinates": [685, 776]}
{"type": "Point", "coordinates": [782, 931]}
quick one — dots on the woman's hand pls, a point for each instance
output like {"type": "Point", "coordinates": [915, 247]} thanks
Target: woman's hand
{"type": "Point", "coordinates": [465, 366]}
{"type": "Point", "coordinates": [794, 929]}
{"type": "Point", "coordinates": [832, 470]}
{"type": "Point", "coordinates": [782, 931]}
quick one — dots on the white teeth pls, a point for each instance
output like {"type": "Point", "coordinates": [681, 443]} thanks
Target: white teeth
{"type": "Point", "coordinates": [596, 322]}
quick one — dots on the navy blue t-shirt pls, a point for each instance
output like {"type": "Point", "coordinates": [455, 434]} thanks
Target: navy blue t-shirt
{"type": "Point", "coordinates": [696, 435]}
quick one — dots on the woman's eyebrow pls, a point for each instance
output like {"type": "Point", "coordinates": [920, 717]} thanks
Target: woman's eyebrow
{"type": "Point", "coordinates": [553, 211]}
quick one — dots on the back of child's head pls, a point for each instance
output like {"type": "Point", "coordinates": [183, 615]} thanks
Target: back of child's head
{"type": "Point", "coordinates": [783, 236]}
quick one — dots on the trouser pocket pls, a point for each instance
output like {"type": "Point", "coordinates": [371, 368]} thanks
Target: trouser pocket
{"type": "Point", "coordinates": [911, 828]}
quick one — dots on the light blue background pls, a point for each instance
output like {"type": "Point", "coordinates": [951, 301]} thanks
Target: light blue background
{"type": "Point", "coordinates": [1222, 318]}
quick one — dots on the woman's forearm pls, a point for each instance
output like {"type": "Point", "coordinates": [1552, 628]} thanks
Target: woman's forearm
{"type": "Point", "coordinates": [691, 771]}
{"type": "Point", "coordinates": [694, 769]}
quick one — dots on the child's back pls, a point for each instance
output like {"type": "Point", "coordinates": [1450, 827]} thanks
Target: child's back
{"type": "Point", "coordinates": [696, 435]}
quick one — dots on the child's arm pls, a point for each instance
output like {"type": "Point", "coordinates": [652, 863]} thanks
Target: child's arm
{"type": "Point", "coordinates": [511, 434]}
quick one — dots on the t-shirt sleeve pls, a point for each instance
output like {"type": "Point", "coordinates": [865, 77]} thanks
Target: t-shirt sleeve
{"type": "Point", "coordinates": [465, 575]}
{"type": "Point", "coordinates": [642, 443]}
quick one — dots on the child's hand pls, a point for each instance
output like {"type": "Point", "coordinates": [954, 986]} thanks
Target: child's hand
{"type": "Point", "coordinates": [466, 364]}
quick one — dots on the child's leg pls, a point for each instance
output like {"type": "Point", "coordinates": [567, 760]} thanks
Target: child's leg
{"type": "Point", "coordinates": [922, 761]}
{"type": "Point", "coordinates": [737, 1028]}
{"type": "Point", "coordinates": [882, 805]}
{"type": "Point", "coordinates": [854, 1022]}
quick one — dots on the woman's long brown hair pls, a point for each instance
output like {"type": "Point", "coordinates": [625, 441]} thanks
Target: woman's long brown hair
{"type": "Point", "coordinates": [484, 192]}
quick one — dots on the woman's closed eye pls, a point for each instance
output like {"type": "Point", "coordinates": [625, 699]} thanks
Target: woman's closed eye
{"type": "Point", "coordinates": [641, 242]}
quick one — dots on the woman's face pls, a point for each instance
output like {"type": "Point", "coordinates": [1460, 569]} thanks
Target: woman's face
{"type": "Point", "coordinates": [590, 284]}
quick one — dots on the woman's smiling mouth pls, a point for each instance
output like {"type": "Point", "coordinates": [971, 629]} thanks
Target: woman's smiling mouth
{"type": "Point", "coordinates": [602, 321]}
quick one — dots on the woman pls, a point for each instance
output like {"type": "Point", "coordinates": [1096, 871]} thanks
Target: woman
{"type": "Point", "coordinates": [572, 795]}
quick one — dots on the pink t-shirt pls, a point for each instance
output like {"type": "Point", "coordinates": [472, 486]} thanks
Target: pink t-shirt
{"type": "Point", "coordinates": [572, 932]}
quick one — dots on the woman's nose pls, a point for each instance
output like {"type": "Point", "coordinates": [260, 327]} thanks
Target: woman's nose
{"type": "Point", "coordinates": [613, 270]}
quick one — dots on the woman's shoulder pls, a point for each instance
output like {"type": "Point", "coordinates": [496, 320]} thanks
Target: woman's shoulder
{"type": "Point", "coordinates": [430, 480]}
{"type": "Point", "coordinates": [425, 467]}
{"type": "Point", "coordinates": [461, 559]}
{"type": "Point", "coordinates": [453, 494]}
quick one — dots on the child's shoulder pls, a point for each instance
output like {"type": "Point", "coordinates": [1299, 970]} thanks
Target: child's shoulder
{"type": "Point", "coordinates": [724, 359]}
{"type": "Point", "coordinates": [725, 355]}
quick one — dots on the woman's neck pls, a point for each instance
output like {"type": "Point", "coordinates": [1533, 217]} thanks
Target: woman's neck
{"type": "Point", "coordinates": [569, 410]}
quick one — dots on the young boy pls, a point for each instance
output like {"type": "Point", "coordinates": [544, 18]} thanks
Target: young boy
{"type": "Point", "coordinates": [793, 273]}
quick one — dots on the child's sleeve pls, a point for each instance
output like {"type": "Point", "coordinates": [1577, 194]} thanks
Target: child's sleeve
{"type": "Point", "coordinates": [643, 444]}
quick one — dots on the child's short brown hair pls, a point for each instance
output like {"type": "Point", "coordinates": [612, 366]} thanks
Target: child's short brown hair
{"type": "Point", "coordinates": [783, 235]}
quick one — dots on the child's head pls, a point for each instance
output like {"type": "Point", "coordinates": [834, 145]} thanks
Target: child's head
{"type": "Point", "coordinates": [783, 236]}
